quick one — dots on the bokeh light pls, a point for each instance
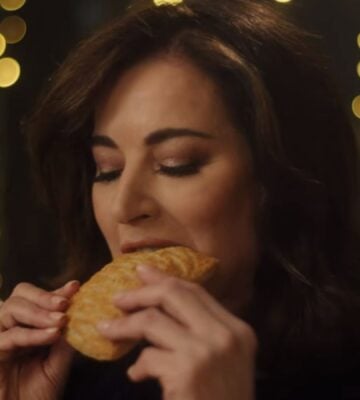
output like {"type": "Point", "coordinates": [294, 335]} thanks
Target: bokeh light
{"type": "Point", "coordinates": [167, 2]}
{"type": "Point", "coordinates": [358, 39]}
{"type": "Point", "coordinates": [358, 69]}
{"type": "Point", "coordinates": [356, 106]}
{"type": "Point", "coordinates": [2, 44]}
{"type": "Point", "coordinates": [9, 71]}
{"type": "Point", "coordinates": [13, 28]}
{"type": "Point", "coordinates": [12, 5]}
{"type": "Point", "coordinates": [283, 1]}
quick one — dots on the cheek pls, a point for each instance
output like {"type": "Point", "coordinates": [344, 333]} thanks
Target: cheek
{"type": "Point", "coordinates": [218, 211]}
{"type": "Point", "coordinates": [101, 211]}
{"type": "Point", "coordinates": [221, 223]}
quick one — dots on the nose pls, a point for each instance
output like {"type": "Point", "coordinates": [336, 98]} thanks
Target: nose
{"type": "Point", "coordinates": [134, 198]}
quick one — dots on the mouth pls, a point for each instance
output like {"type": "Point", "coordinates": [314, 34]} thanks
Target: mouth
{"type": "Point", "coordinates": [147, 249]}
{"type": "Point", "coordinates": [146, 245]}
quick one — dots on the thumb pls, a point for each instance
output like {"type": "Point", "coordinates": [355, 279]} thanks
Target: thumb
{"type": "Point", "coordinates": [58, 363]}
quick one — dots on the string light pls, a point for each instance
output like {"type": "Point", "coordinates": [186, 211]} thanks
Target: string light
{"type": "Point", "coordinates": [356, 102]}
{"type": "Point", "coordinates": [2, 44]}
{"type": "Point", "coordinates": [356, 106]}
{"type": "Point", "coordinates": [167, 2]}
{"type": "Point", "coordinates": [13, 28]}
{"type": "Point", "coordinates": [9, 71]}
{"type": "Point", "coordinates": [12, 5]}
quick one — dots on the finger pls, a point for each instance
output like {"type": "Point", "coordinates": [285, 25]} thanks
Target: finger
{"type": "Point", "coordinates": [176, 297]}
{"type": "Point", "coordinates": [150, 324]}
{"type": "Point", "coordinates": [18, 311]}
{"type": "Point", "coordinates": [20, 337]}
{"type": "Point", "coordinates": [152, 363]}
{"type": "Point", "coordinates": [150, 275]}
{"type": "Point", "coordinates": [42, 298]}
{"type": "Point", "coordinates": [68, 290]}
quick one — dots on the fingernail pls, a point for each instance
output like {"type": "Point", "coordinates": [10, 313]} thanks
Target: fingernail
{"type": "Point", "coordinates": [72, 283]}
{"type": "Point", "coordinates": [143, 268]}
{"type": "Point", "coordinates": [51, 330]}
{"type": "Point", "coordinates": [103, 325]}
{"type": "Point", "coordinates": [59, 301]}
{"type": "Point", "coordinates": [57, 316]}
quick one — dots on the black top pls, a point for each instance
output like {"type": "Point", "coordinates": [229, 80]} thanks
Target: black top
{"type": "Point", "coordinates": [92, 380]}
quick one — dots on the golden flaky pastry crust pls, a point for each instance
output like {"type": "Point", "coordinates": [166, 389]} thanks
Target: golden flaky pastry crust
{"type": "Point", "coordinates": [93, 302]}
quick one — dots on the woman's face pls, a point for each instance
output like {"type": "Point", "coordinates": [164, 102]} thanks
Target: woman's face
{"type": "Point", "coordinates": [172, 169]}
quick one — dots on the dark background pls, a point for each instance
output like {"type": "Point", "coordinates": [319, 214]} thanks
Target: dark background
{"type": "Point", "coordinates": [27, 236]}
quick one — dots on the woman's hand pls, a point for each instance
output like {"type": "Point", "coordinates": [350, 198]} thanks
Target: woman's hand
{"type": "Point", "coordinates": [199, 350]}
{"type": "Point", "coordinates": [33, 357]}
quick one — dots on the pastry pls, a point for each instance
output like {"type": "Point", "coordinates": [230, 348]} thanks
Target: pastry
{"type": "Point", "coordinates": [93, 302]}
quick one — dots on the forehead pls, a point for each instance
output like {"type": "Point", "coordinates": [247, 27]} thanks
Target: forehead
{"type": "Point", "coordinates": [165, 90]}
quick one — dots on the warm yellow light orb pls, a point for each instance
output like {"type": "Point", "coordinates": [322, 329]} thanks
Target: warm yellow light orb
{"type": "Point", "coordinates": [9, 71]}
{"type": "Point", "coordinates": [167, 2]}
{"type": "Point", "coordinates": [358, 69]}
{"type": "Point", "coordinates": [356, 106]}
{"type": "Point", "coordinates": [13, 28]}
{"type": "Point", "coordinates": [12, 5]}
{"type": "Point", "coordinates": [2, 44]}
{"type": "Point", "coordinates": [283, 1]}
{"type": "Point", "coordinates": [358, 39]}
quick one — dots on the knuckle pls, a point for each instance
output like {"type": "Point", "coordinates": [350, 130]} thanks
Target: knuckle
{"type": "Point", "coordinates": [20, 288]}
{"type": "Point", "coordinates": [150, 315]}
{"type": "Point", "coordinates": [193, 286]}
{"type": "Point", "coordinates": [170, 284]}
{"type": "Point", "coordinates": [225, 341]}
{"type": "Point", "coordinates": [168, 287]}
{"type": "Point", "coordinates": [249, 338]}
{"type": "Point", "coordinates": [200, 356]}
{"type": "Point", "coordinates": [16, 335]}
{"type": "Point", "coordinates": [10, 305]}
{"type": "Point", "coordinates": [4, 306]}
{"type": "Point", "coordinates": [44, 316]}
{"type": "Point", "coordinates": [146, 358]}
{"type": "Point", "coordinates": [242, 339]}
{"type": "Point", "coordinates": [44, 297]}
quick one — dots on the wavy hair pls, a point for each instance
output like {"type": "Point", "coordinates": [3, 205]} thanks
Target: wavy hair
{"type": "Point", "coordinates": [278, 92]}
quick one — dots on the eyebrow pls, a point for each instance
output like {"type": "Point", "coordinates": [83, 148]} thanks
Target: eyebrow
{"type": "Point", "coordinates": [153, 138]}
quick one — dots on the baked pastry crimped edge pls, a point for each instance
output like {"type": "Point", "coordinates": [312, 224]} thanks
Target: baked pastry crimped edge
{"type": "Point", "coordinates": [93, 302]}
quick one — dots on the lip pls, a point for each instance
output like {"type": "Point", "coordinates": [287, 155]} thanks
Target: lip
{"type": "Point", "coordinates": [129, 247]}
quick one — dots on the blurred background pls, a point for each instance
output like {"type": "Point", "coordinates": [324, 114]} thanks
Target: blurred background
{"type": "Point", "coordinates": [35, 36]}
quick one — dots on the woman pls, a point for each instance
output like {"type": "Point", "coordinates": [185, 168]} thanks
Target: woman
{"type": "Point", "coordinates": [211, 125]}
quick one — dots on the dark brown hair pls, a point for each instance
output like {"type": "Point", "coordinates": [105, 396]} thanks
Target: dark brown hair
{"type": "Point", "coordinates": [278, 92]}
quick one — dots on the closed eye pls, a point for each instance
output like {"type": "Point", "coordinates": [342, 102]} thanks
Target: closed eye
{"type": "Point", "coordinates": [173, 171]}
{"type": "Point", "coordinates": [107, 176]}
{"type": "Point", "coordinates": [179, 170]}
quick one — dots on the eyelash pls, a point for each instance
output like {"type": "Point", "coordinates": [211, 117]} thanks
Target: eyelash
{"type": "Point", "coordinates": [180, 170]}
{"type": "Point", "coordinates": [177, 172]}
{"type": "Point", "coordinates": [107, 176]}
